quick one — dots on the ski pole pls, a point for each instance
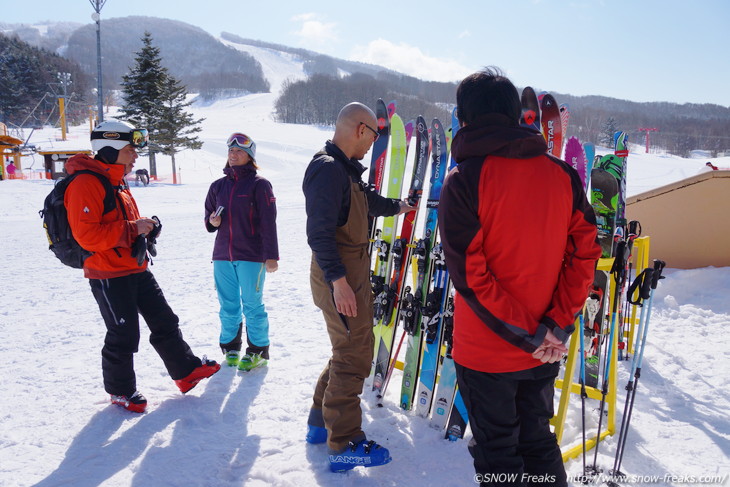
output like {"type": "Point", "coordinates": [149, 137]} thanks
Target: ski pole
{"type": "Point", "coordinates": [623, 340]}
{"type": "Point", "coordinates": [618, 272]}
{"type": "Point", "coordinates": [643, 284]}
{"type": "Point", "coordinates": [654, 279]}
{"type": "Point", "coordinates": [583, 393]}
{"type": "Point", "coordinates": [633, 231]}
{"type": "Point", "coordinates": [381, 395]}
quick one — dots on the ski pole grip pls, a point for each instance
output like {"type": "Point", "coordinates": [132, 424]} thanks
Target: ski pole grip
{"type": "Point", "coordinates": [658, 268]}
{"type": "Point", "coordinates": [646, 284]}
{"type": "Point", "coordinates": [619, 261]}
{"type": "Point", "coordinates": [643, 284]}
{"type": "Point", "coordinates": [635, 228]}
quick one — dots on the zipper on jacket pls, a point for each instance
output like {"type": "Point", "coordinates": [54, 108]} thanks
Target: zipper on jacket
{"type": "Point", "coordinates": [230, 219]}
{"type": "Point", "coordinates": [250, 218]}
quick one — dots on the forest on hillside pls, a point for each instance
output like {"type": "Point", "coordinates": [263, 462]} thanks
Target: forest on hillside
{"type": "Point", "coordinates": [318, 99]}
{"type": "Point", "coordinates": [32, 79]}
{"type": "Point", "coordinates": [680, 128]}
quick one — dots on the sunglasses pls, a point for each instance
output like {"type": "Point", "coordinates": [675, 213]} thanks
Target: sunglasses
{"type": "Point", "coordinates": [376, 135]}
{"type": "Point", "coordinates": [241, 140]}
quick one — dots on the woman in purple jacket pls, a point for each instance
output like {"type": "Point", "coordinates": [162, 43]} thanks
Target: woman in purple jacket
{"type": "Point", "coordinates": [241, 207]}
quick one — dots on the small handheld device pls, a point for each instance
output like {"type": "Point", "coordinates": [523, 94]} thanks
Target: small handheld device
{"type": "Point", "coordinates": [218, 211]}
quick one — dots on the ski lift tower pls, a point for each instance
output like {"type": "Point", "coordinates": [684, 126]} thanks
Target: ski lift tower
{"type": "Point", "coordinates": [648, 130]}
{"type": "Point", "coordinates": [96, 17]}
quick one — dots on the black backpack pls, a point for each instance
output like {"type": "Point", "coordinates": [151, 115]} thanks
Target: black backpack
{"type": "Point", "coordinates": [55, 220]}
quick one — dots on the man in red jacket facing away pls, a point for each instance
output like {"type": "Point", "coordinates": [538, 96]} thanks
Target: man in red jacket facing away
{"type": "Point", "coordinates": [519, 239]}
{"type": "Point", "coordinates": [117, 270]}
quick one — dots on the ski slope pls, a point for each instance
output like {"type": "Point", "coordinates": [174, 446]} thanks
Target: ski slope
{"type": "Point", "coordinates": [247, 429]}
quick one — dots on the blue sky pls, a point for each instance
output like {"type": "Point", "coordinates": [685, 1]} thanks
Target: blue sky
{"type": "Point", "coordinates": [641, 50]}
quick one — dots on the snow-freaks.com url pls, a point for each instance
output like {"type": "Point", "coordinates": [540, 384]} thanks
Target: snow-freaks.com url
{"type": "Point", "coordinates": [652, 479]}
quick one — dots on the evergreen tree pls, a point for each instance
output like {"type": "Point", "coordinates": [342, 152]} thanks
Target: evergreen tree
{"type": "Point", "coordinates": [176, 127]}
{"type": "Point", "coordinates": [143, 89]}
{"type": "Point", "coordinates": [607, 131]}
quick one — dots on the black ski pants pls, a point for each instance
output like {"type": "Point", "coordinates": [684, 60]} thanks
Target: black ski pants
{"type": "Point", "coordinates": [121, 300]}
{"type": "Point", "coordinates": [509, 414]}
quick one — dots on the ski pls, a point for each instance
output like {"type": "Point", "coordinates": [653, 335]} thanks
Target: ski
{"type": "Point", "coordinates": [410, 315]}
{"type": "Point", "coordinates": [391, 108]}
{"type": "Point", "coordinates": [443, 398]}
{"type": "Point", "coordinates": [621, 150]}
{"type": "Point", "coordinates": [530, 117]}
{"type": "Point", "coordinates": [389, 301]}
{"type": "Point", "coordinates": [458, 419]}
{"type": "Point", "coordinates": [551, 125]}
{"type": "Point", "coordinates": [384, 243]}
{"type": "Point", "coordinates": [454, 130]}
{"type": "Point", "coordinates": [433, 301]}
{"type": "Point", "coordinates": [410, 312]}
{"type": "Point", "coordinates": [431, 323]}
{"type": "Point", "coordinates": [564, 118]}
{"type": "Point", "coordinates": [377, 164]}
{"type": "Point", "coordinates": [590, 153]}
{"type": "Point", "coordinates": [409, 127]}
{"type": "Point", "coordinates": [575, 156]}
{"type": "Point", "coordinates": [604, 199]}
{"type": "Point", "coordinates": [438, 172]}
{"type": "Point", "coordinates": [592, 332]}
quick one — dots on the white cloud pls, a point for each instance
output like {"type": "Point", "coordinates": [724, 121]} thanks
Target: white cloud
{"type": "Point", "coordinates": [465, 34]}
{"type": "Point", "coordinates": [409, 60]}
{"type": "Point", "coordinates": [314, 32]}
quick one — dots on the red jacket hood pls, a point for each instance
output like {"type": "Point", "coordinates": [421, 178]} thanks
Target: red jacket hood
{"type": "Point", "coordinates": [80, 162]}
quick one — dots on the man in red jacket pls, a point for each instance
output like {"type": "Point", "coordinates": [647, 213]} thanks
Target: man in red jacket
{"type": "Point", "coordinates": [117, 271]}
{"type": "Point", "coordinates": [519, 239]}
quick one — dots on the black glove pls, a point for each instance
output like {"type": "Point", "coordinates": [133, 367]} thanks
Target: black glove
{"type": "Point", "coordinates": [152, 237]}
{"type": "Point", "coordinates": [139, 249]}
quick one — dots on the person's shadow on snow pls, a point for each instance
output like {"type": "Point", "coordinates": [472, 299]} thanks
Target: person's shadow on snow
{"type": "Point", "coordinates": [208, 440]}
{"type": "Point", "coordinates": [209, 444]}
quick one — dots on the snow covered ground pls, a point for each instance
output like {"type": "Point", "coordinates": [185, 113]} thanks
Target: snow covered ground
{"type": "Point", "coordinates": [248, 428]}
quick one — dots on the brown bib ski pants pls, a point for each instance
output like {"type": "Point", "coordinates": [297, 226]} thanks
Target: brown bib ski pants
{"type": "Point", "coordinates": [340, 384]}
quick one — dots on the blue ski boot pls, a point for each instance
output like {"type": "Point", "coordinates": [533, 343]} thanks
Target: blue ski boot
{"type": "Point", "coordinates": [316, 434]}
{"type": "Point", "coordinates": [362, 454]}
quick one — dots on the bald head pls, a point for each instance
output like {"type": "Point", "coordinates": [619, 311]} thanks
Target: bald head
{"type": "Point", "coordinates": [354, 130]}
{"type": "Point", "coordinates": [353, 113]}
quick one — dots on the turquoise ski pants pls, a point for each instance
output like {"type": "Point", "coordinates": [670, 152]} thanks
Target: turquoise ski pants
{"type": "Point", "coordinates": [240, 287]}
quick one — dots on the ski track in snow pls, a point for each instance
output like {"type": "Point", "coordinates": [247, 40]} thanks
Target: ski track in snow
{"type": "Point", "coordinates": [248, 428]}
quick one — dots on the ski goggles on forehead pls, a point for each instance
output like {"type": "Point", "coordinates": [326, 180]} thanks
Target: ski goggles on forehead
{"type": "Point", "coordinates": [241, 140]}
{"type": "Point", "coordinates": [137, 138]}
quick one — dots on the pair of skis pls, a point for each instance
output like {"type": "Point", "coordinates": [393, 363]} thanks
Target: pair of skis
{"type": "Point", "coordinates": [448, 410]}
{"type": "Point", "coordinates": [411, 304]}
{"type": "Point", "coordinates": [390, 298]}
{"type": "Point", "coordinates": [543, 114]}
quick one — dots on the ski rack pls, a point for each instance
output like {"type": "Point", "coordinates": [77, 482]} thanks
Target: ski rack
{"type": "Point", "coordinates": [567, 388]}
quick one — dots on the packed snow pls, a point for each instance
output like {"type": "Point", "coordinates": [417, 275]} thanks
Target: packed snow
{"type": "Point", "coordinates": [237, 428]}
